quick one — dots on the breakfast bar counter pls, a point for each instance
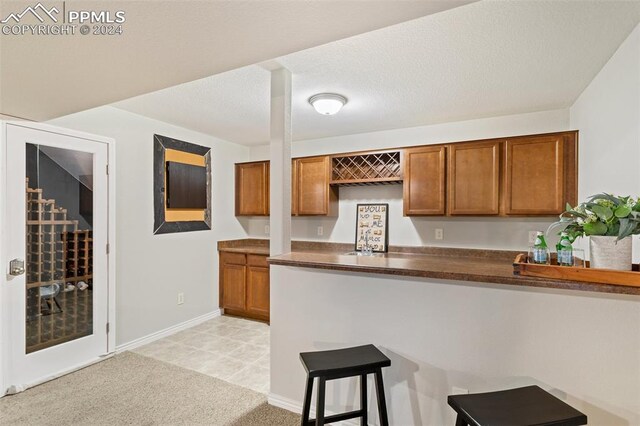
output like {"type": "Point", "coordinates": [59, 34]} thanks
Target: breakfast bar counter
{"type": "Point", "coordinates": [479, 266]}
{"type": "Point", "coordinates": [453, 320]}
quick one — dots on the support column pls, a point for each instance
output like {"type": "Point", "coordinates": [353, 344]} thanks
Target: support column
{"type": "Point", "coordinates": [280, 167]}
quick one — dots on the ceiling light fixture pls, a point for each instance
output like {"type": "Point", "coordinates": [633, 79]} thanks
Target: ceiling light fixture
{"type": "Point", "coordinates": [327, 103]}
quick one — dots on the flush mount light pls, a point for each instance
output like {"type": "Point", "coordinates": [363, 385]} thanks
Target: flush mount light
{"type": "Point", "coordinates": [327, 103]}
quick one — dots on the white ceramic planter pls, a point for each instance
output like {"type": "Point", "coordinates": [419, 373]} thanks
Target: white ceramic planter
{"type": "Point", "coordinates": [606, 253]}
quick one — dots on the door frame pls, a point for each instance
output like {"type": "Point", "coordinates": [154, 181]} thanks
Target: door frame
{"type": "Point", "coordinates": [111, 239]}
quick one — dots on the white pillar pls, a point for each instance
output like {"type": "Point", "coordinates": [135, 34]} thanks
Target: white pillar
{"type": "Point", "coordinates": [280, 153]}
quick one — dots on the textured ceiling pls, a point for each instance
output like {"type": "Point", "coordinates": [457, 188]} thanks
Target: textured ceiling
{"type": "Point", "coordinates": [484, 59]}
{"type": "Point", "coordinates": [165, 43]}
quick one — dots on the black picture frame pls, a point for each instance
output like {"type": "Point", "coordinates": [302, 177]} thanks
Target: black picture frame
{"type": "Point", "coordinates": [383, 211]}
{"type": "Point", "coordinates": [186, 186]}
{"type": "Point", "coordinates": [160, 225]}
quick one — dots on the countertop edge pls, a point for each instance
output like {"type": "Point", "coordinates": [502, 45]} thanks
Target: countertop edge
{"type": "Point", "coordinates": [517, 281]}
{"type": "Point", "coordinates": [248, 250]}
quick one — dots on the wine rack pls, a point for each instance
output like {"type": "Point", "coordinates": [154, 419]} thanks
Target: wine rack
{"type": "Point", "coordinates": [371, 168]}
{"type": "Point", "coordinates": [59, 253]}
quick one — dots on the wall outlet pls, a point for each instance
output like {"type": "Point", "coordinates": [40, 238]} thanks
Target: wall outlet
{"type": "Point", "coordinates": [439, 234]}
{"type": "Point", "coordinates": [320, 231]}
{"type": "Point", "coordinates": [267, 229]}
{"type": "Point", "coordinates": [532, 237]}
{"type": "Point", "coordinates": [459, 391]}
{"type": "Point", "coordinates": [180, 298]}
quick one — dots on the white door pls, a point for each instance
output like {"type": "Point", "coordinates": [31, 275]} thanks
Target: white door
{"type": "Point", "coordinates": [56, 295]}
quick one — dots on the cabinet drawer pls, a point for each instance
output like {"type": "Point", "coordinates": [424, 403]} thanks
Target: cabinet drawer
{"type": "Point", "coordinates": [257, 260]}
{"type": "Point", "coordinates": [235, 258]}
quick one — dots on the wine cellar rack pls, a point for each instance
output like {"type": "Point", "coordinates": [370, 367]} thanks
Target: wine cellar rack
{"type": "Point", "coordinates": [57, 253]}
{"type": "Point", "coordinates": [372, 168]}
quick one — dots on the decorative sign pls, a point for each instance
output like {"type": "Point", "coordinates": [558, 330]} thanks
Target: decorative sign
{"type": "Point", "coordinates": [371, 226]}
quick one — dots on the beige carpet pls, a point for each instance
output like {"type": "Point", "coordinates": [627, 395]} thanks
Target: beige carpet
{"type": "Point", "coordinates": [131, 389]}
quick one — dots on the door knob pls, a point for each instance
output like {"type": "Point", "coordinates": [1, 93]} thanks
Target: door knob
{"type": "Point", "coordinates": [16, 267]}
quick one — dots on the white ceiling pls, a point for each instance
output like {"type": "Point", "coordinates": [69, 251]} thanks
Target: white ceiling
{"type": "Point", "coordinates": [484, 59]}
{"type": "Point", "coordinates": [165, 43]}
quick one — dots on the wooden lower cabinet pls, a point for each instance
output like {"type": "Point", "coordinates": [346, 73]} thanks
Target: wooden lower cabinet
{"type": "Point", "coordinates": [234, 284]}
{"type": "Point", "coordinates": [258, 291]}
{"type": "Point", "coordinates": [244, 285]}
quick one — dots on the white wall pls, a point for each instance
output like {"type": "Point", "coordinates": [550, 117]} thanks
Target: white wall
{"type": "Point", "coordinates": [511, 233]}
{"type": "Point", "coordinates": [608, 116]}
{"type": "Point", "coordinates": [152, 269]}
{"type": "Point", "coordinates": [583, 347]}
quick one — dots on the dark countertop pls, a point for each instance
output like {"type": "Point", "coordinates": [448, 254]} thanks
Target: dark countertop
{"type": "Point", "coordinates": [248, 246]}
{"type": "Point", "coordinates": [474, 265]}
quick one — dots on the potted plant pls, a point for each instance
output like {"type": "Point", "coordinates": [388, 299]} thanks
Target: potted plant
{"type": "Point", "coordinates": [608, 221]}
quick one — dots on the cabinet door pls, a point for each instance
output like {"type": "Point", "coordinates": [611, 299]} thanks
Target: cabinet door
{"type": "Point", "coordinates": [474, 178]}
{"type": "Point", "coordinates": [534, 175]}
{"type": "Point", "coordinates": [258, 291]}
{"type": "Point", "coordinates": [314, 196]}
{"type": "Point", "coordinates": [424, 180]}
{"type": "Point", "coordinates": [294, 188]}
{"type": "Point", "coordinates": [233, 282]}
{"type": "Point", "coordinates": [252, 189]}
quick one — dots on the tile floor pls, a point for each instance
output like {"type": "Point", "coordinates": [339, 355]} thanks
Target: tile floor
{"type": "Point", "coordinates": [231, 349]}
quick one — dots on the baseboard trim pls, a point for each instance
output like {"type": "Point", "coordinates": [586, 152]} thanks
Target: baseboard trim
{"type": "Point", "coordinates": [167, 331]}
{"type": "Point", "coordinates": [296, 407]}
{"type": "Point", "coordinates": [14, 389]}
{"type": "Point", "coordinates": [285, 403]}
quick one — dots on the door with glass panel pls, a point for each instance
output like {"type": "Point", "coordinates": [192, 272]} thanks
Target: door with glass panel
{"type": "Point", "coordinates": [57, 228]}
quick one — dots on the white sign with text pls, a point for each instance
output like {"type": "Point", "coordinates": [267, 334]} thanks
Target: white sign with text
{"type": "Point", "coordinates": [371, 226]}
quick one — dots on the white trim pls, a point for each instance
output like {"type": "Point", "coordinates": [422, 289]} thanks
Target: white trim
{"type": "Point", "coordinates": [111, 240]}
{"type": "Point", "coordinates": [61, 131]}
{"type": "Point", "coordinates": [167, 331]}
{"type": "Point", "coordinates": [296, 407]}
{"type": "Point", "coordinates": [111, 236]}
{"type": "Point", "coordinates": [13, 390]}
{"type": "Point", "coordinates": [4, 328]}
{"type": "Point", "coordinates": [285, 403]}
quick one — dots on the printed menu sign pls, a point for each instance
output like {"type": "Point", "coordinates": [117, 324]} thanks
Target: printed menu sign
{"type": "Point", "coordinates": [371, 226]}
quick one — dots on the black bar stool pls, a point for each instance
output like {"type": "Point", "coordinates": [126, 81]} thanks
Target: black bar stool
{"type": "Point", "coordinates": [526, 406]}
{"type": "Point", "coordinates": [337, 364]}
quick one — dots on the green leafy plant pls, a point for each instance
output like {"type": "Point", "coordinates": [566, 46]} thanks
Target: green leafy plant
{"type": "Point", "coordinates": [603, 214]}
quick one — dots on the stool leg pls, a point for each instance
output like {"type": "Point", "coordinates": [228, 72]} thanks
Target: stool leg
{"type": "Point", "coordinates": [363, 399]}
{"type": "Point", "coordinates": [307, 401]}
{"type": "Point", "coordinates": [460, 421]}
{"type": "Point", "coordinates": [320, 407]}
{"type": "Point", "coordinates": [382, 404]}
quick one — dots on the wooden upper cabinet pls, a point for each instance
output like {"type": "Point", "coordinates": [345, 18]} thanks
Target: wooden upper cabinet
{"type": "Point", "coordinates": [252, 189]}
{"type": "Point", "coordinates": [474, 178]}
{"type": "Point", "coordinates": [294, 187]}
{"type": "Point", "coordinates": [538, 173]}
{"type": "Point", "coordinates": [313, 194]}
{"type": "Point", "coordinates": [424, 181]}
